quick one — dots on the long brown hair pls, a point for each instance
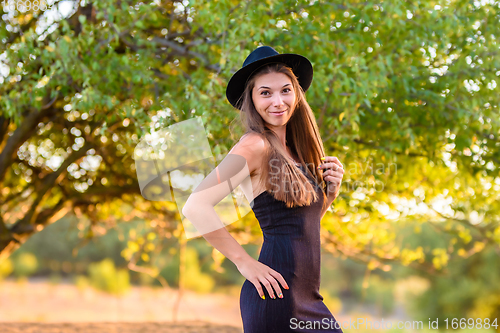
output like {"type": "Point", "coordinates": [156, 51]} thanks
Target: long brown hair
{"type": "Point", "coordinates": [279, 174]}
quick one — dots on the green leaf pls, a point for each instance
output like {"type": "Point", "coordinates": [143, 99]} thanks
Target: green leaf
{"type": "Point", "coordinates": [367, 103]}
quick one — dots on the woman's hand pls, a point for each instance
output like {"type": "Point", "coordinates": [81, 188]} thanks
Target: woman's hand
{"type": "Point", "coordinates": [257, 273]}
{"type": "Point", "coordinates": [333, 172]}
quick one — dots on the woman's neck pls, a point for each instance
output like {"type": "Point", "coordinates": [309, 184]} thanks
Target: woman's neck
{"type": "Point", "coordinates": [280, 133]}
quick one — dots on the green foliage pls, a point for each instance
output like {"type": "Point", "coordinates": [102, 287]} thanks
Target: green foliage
{"type": "Point", "coordinates": [170, 267]}
{"type": "Point", "coordinates": [469, 290]}
{"type": "Point", "coordinates": [81, 281]}
{"type": "Point", "coordinates": [25, 265]}
{"type": "Point", "coordinates": [194, 279]}
{"type": "Point", "coordinates": [104, 276]}
{"type": "Point", "coordinates": [411, 85]}
{"type": "Point", "coordinates": [146, 279]}
{"type": "Point", "coordinates": [379, 292]}
{"type": "Point", "coordinates": [55, 279]}
{"type": "Point", "coordinates": [6, 268]}
{"type": "Point", "coordinates": [405, 94]}
{"type": "Point", "coordinates": [333, 303]}
{"type": "Point", "coordinates": [60, 249]}
{"type": "Point", "coordinates": [407, 289]}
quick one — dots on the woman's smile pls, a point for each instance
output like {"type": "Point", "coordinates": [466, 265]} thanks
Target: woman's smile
{"type": "Point", "coordinates": [278, 113]}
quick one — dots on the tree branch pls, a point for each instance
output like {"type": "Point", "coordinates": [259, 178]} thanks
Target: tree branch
{"type": "Point", "coordinates": [21, 134]}
{"type": "Point", "coordinates": [25, 225]}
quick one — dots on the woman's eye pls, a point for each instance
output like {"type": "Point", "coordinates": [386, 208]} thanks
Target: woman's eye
{"type": "Point", "coordinates": [286, 90]}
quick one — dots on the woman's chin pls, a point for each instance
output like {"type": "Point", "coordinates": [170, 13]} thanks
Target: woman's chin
{"type": "Point", "coordinates": [278, 122]}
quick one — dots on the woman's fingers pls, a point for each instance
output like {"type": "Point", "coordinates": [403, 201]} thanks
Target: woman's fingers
{"type": "Point", "coordinates": [263, 282]}
{"type": "Point", "coordinates": [260, 275]}
{"type": "Point", "coordinates": [335, 174]}
{"type": "Point", "coordinates": [332, 162]}
{"type": "Point", "coordinates": [281, 279]}
{"type": "Point", "coordinates": [270, 283]}
{"type": "Point", "coordinates": [267, 285]}
{"type": "Point", "coordinates": [278, 278]}
{"type": "Point", "coordinates": [332, 166]}
{"type": "Point", "coordinates": [257, 285]}
{"type": "Point", "coordinates": [334, 178]}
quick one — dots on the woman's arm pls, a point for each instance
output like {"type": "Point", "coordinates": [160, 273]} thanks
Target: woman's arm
{"type": "Point", "coordinates": [333, 172]}
{"type": "Point", "coordinates": [221, 239]}
{"type": "Point", "coordinates": [245, 157]}
{"type": "Point", "coordinates": [232, 171]}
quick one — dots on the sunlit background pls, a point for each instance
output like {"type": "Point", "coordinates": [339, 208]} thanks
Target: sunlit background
{"type": "Point", "coordinates": [405, 94]}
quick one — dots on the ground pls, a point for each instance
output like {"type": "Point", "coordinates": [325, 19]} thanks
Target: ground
{"type": "Point", "coordinates": [184, 327]}
{"type": "Point", "coordinates": [40, 306]}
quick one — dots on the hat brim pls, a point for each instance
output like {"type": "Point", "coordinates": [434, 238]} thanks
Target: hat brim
{"type": "Point", "coordinates": [301, 67]}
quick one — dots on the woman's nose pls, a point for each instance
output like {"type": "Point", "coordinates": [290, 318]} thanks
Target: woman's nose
{"type": "Point", "coordinates": [278, 101]}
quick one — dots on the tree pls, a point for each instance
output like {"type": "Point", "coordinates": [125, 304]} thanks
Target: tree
{"type": "Point", "coordinates": [405, 95]}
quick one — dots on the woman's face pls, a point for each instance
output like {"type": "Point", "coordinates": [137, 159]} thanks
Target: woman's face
{"type": "Point", "coordinates": [274, 98]}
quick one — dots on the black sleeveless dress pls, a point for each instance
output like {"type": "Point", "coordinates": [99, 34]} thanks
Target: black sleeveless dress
{"type": "Point", "coordinates": [292, 248]}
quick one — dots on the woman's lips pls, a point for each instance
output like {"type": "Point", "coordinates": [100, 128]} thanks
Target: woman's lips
{"type": "Point", "coordinates": [278, 113]}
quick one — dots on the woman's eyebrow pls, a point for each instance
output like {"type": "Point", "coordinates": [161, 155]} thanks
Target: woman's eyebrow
{"type": "Point", "coordinates": [264, 87]}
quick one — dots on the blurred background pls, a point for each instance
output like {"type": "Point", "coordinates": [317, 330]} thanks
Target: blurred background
{"type": "Point", "coordinates": [405, 94]}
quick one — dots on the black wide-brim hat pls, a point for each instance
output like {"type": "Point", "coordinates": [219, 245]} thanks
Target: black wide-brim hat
{"type": "Point", "coordinates": [263, 55]}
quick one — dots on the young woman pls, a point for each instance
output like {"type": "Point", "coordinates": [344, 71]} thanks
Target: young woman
{"type": "Point", "coordinates": [278, 163]}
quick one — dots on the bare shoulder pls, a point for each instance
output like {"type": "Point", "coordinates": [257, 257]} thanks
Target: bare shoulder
{"type": "Point", "coordinates": [254, 140]}
{"type": "Point", "coordinates": [252, 146]}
